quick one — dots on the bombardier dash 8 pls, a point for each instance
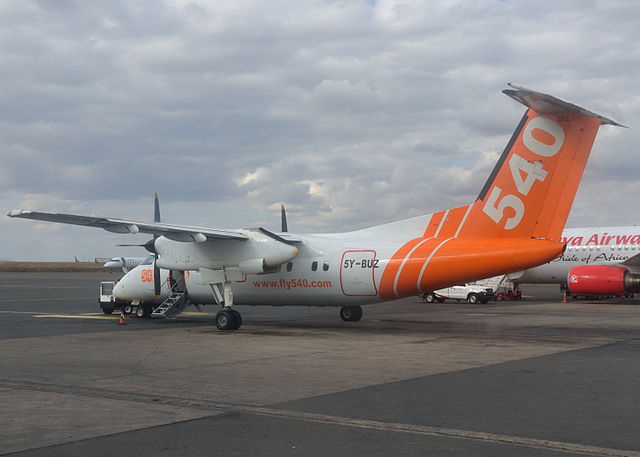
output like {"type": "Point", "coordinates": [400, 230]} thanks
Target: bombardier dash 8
{"type": "Point", "coordinates": [515, 223]}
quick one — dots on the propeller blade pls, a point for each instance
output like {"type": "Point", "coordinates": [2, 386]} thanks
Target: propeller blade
{"type": "Point", "coordinates": [156, 212]}
{"type": "Point", "coordinates": [284, 218]}
{"type": "Point", "coordinates": [156, 279]}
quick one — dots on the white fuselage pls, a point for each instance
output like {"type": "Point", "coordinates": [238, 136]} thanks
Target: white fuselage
{"type": "Point", "coordinates": [585, 246]}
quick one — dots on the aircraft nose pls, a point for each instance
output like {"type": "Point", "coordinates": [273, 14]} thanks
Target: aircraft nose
{"type": "Point", "coordinates": [119, 289]}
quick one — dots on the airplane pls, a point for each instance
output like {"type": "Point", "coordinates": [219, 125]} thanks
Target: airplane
{"type": "Point", "coordinates": [514, 224]}
{"type": "Point", "coordinates": [125, 264]}
{"type": "Point", "coordinates": [597, 261]}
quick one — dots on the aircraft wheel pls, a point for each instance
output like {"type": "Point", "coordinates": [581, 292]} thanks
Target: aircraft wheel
{"type": "Point", "coordinates": [350, 313]}
{"type": "Point", "coordinates": [472, 298]}
{"type": "Point", "coordinates": [140, 311]}
{"type": "Point", "coordinates": [237, 317]}
{"type": "Point", "coordinates": [127, 309]}
{"type": "Point", "coordinates": [225, 320]}
{"type": "Point", "coordinates": [429, 297]}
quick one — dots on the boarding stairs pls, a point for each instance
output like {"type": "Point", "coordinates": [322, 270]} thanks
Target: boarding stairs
{"type": "Point", "coordinates": [496, 282]}
{"type": "Point", "coordinates": [174, 304]}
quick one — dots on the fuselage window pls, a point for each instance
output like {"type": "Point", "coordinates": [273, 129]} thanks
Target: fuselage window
{"type": "Point", "coordinates": [289, 266]}
{"type": "Point", "coordinates": [314, 266]}
{"type": "Point", "coordinates": [325, 266]}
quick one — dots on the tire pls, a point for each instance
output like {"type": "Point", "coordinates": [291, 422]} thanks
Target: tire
{"type": "Point", "coordinates": [429, 297]}
{"type": "Point", "coordinates": [140, 311]}
{"type": "Point", "coordinates": [225, 320]}
{"type": "Point", "coordinates": [237, 317]}
{"type": "Point", "coordinates": [351, 313]}
{"type": "Point", "coordinates": [107, 310]}
{"type": "Point", "coordinates": [472, 298]}
{"type": "Point", "coordinates": [127, 309]}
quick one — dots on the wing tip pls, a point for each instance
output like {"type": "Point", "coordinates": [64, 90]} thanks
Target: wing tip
{"type": "Point", "coordinates": [17, 212]}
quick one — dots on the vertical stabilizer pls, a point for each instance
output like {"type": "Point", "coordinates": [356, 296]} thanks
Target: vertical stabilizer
{"type": "Point", "coordinates": [531, 189]}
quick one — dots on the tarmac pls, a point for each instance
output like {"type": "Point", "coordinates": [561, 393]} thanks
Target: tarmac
{"type": "Point", "coordinates": [535, 377]}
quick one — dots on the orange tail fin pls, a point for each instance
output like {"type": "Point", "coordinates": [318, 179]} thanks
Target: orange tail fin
{"type": "Point", "coordinates": [531, 189]}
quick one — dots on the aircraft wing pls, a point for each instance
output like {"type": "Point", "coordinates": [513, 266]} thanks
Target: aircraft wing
{"type": "Point", "coordinates": [171, 231]}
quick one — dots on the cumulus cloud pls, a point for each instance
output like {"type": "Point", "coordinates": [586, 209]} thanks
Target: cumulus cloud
{"type": "Point", "coordinates": [349, 113]}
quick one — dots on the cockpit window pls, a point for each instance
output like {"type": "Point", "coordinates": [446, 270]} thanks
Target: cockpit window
{"type": "Point", "coordinates": [148, 261]}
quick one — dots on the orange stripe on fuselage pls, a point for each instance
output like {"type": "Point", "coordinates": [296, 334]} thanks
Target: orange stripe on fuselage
{"type": "Point", "coordinates": [434, 224]}
{"type": "Point", "coordinates": [400, 277]}
{"type": "Point", "coordinates": [452, 222]}
{"type": "Point", "coordinates": [463, 259]}
{"type": "Point", "coordinates": [406, 282]}
{"type": "Point", "coordinates": [392, 268]}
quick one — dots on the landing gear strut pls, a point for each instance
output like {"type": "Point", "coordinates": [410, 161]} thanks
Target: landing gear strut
{"type": "Point", "coordinates": [350, 313]}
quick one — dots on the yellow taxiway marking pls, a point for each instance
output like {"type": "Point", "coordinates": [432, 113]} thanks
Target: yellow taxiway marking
{"type": "Point", "coordinates": [11, 300]}
{"type": "Point", "coordinates": [78, 316]}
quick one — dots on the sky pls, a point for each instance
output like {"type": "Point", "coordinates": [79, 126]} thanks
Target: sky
{"type": "Point", "coordinates": [351, 113]}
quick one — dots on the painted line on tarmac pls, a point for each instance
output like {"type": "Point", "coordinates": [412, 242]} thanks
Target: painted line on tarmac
{"type": "Point", "coordinates": [77, 316]}
{"type": "Point", "coordinates": [20, 312]}
{"type": "Point", "coordinates": [441, 432]}
{"type": "Point", "coordinates": [11, 300]}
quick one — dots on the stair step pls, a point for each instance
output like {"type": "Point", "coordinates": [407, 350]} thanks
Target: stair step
{"type": "Point", "coordinates": [171, 301]}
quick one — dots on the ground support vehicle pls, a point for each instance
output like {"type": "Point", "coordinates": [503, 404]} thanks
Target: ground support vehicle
{"type": "Point", "coordinates": [472, 293]}
{"type": "Point", "coordinates": [509, 293]}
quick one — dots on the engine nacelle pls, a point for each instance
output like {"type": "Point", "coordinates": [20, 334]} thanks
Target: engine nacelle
{"type": "Point", "coordinates": [602, 280]}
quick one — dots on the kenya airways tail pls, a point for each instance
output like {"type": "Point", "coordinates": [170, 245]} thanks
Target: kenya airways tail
{"type": "Point", "coordinates": [521, 211]}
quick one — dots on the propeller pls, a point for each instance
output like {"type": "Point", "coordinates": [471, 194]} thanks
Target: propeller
{"type": "Point", "coordinates": [151, 247]}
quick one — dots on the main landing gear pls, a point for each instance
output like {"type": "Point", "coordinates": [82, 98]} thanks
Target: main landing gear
{"type": "Point", "coordinates": [350, 313]}
{"type": "Point", "coordinates": [228, 319]}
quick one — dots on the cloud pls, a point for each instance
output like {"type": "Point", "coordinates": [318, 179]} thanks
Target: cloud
{"type": "Point", "coordinates": [350, 113]}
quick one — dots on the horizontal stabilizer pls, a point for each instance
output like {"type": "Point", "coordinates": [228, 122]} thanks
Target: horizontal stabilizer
{"type": "Point", "coordinates": [548, 104]}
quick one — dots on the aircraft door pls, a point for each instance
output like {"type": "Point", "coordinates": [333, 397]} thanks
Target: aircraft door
{"type": "Point", "coordinates": [176, 281]}
{"type": "Point", "coordinates": [357, 273]}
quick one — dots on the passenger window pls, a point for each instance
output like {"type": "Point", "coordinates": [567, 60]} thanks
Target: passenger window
{"type": "Point", "coordinates": [289, 266]}
{"type": "Point", "coordinates": [314, 266]}
{"type": "Point", "coordinates": [325, 266]}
